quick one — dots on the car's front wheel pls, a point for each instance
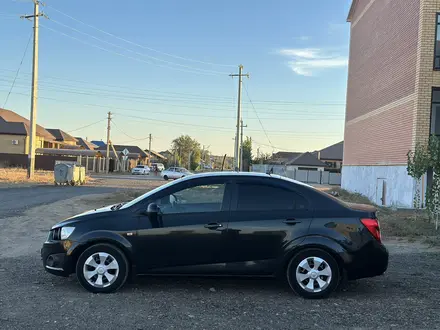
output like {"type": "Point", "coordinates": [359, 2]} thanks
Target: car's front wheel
{"type": "Point", "coordinates": [102, 268]}
{"type": "Point", "coordinates": [313, 273]}
{"type": "Point", "coordinates": [165, 177]}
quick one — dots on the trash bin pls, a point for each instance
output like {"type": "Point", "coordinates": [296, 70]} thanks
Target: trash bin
{"type": "Point", "coordinates": [72, 174]}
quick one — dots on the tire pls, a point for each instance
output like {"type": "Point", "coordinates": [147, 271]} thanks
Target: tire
{"type": "Point", "coordinates": [165, 177]}
{"type": "Point", "coordinates": [118, 270]}
{"type": "Point", "coordinates": [72, 183]}
{"type": "Point", "coordinates": [322, 285]}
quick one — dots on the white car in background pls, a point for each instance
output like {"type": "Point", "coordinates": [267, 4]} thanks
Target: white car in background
{"type": "Point", "coordinates": [175, 173]}
{"type": "Point", "coordinates": [160, 167]}
{"type": "Point", "coordinates": [140, 170]}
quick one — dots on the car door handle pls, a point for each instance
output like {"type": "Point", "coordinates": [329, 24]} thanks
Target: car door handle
{"type": "Point", "coordinates": [291, 221]}
{"type": "Point", "coordinates": [213, 225]}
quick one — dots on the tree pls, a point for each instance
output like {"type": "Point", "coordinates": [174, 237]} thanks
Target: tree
{"type": "Point", "coordinates": [186, 148]}
{"type": "Point", "coordinates": [426, 157]}
{"type": "Point", "coordinates": [262, 158]}
{"type": "Point", "coordinates": [247, 153]}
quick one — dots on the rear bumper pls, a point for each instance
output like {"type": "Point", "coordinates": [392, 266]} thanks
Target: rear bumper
{"type": "Point", "coordinates": [55, 260]}
{"type": "Point", "coordinates": [370, 261]}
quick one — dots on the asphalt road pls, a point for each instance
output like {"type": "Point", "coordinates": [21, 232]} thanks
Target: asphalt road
{"type": "Point", "coordinates": [406, 297]}
{"type": "Point", "coordinates": [15, 201]}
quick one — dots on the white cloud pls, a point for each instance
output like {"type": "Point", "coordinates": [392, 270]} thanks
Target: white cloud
{"type": "Point", "coordinates": [303, 38]}
{"type": "Point", "coordinates": [308, 61]}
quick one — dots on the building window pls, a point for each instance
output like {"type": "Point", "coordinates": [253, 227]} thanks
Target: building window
{"type": "Point", "coordinates": [435, 112]}
{"type": "Point", "coordinates": [437, 44]}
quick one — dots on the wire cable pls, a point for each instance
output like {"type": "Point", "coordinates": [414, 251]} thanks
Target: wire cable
{"type": "Point", "coordinates": [130, 137]}
{"type": "Point", "coordinates": [120, 54]}
{"type": "Point", "coordinates": [18, 70]}
{"type": "Point", "coordinates": [137, 53]}
{"type": "Point", "coordinates": [136, 44]}
{"type": "Point", "coordinates": [82, 127]}
{"type": "Point", "coordinates": [256, 113]}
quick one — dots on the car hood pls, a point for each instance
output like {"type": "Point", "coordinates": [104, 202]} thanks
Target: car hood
{"type": "Point", "coordinates": [77, 217]}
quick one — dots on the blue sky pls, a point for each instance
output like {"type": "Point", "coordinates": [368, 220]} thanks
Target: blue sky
{"type": "Point", "coordinates": [162, 68]}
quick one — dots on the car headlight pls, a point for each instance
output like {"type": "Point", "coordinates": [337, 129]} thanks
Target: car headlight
{"type": "Point", "coordinates": [66, 232]}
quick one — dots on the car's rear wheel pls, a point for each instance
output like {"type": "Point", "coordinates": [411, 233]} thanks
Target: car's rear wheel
{"type": "Point", "coordinates": [165, 177]}
{"type": "Point", "coordinates": [102, 268]}
{"type": "Point", "coordinates": [313, 273]}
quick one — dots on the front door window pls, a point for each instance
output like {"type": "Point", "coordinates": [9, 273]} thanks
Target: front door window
{"type": "Point", "coordinates": [202, 198]}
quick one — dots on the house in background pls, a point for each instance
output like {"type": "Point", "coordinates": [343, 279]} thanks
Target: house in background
{"type": "Point", "coordinates": [332, 156]}
{"type": "Point", "coordinates": [297, 161]}
{"type": "Point", "coordinates": [99, 143]}
{"type": "Point", "coordinates": [15, 134]}
{"type": "Point", "coordinates": [135, 154]}
{"type": "Point", "coordinates": [66, 140]}
{"type": "Point", "coordinates": [393, 95]}
{"type": "Point", "coordinates": [84, 144]}
{"type": "Point", "coordinates": [156, 157]}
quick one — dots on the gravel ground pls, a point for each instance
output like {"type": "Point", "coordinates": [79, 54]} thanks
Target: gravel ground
{"type": "Point", "coordinates": [406, 297]}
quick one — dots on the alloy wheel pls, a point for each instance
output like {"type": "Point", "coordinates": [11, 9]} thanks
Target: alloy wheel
{"type": "Point", "coordinates": [313, 274]}
{"type": "Point", "coordinates": [101, 270]}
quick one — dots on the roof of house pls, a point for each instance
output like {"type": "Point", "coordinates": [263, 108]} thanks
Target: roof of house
{"type": "Point", "coordinates": [131, 149]}
{"type": "Point", "coordinates": [12, 123]}
{"type": "Point", "coordinates": [98, 143]}
{"type": "Point", "coordinates": [352, 9]}
{"type": "Point", "coordinates": [85, 144]}
{"type": "Point", "coordinates": [284, 156]}
{"type": "Point", "coordinates": [306, 159]}
{"type": "Point", "coordinates": [156, 154]}
{"type": "Point", "coordinates": [60, 135]}
{"type": "Point", "coordinates": [333, 152]}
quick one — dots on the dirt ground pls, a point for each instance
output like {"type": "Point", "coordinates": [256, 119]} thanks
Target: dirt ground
{"type": "Point", "coordinates": [406, 297]}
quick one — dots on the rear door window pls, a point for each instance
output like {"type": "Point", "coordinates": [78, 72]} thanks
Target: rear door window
{"type": "Point", "coordinates": [260, 197]}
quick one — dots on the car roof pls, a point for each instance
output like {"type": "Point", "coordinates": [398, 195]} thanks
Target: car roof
{"type": "Point", "coordinates": [214, 175]}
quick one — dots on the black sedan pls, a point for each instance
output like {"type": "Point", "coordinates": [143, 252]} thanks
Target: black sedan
{"type": "Point", "coordinates": [234, 224]}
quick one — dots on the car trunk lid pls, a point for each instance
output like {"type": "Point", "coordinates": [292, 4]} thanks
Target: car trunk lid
{"type": "Point", "coordinates": [369, 209]}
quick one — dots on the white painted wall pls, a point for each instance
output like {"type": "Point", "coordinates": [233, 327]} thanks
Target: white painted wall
{"type": "Point", "coordinates": [364, 179]}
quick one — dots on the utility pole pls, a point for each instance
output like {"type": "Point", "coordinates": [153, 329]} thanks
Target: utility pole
{"type": "Point", "coordinates": [109, 120]}
{"type": "Point", "coordinates": [237, 134]}
{"type": "Point", "coordinates": [149, 150]}
{"type": "Point", "coordinates": [189, 160]}
{"type": "Point", "coordinates": [241, 145]}
{"type": "Point", "coordinates": [33, 117]}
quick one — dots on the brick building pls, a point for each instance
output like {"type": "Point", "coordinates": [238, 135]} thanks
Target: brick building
{"type": "Point", "coordinates": [393, 95]}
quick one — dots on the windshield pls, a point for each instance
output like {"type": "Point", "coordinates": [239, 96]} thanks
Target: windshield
{"type": "Point", "coordinates": [138, 199]}
{"type": "Point", "coordinates": [140, 166]}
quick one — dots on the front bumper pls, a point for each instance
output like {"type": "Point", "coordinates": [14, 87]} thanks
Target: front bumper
{"type": "Point", "coordinates": [55, 259]}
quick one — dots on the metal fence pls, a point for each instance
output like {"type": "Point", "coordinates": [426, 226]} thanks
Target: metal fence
{"type": "Point", "coordinates": [306, 176]}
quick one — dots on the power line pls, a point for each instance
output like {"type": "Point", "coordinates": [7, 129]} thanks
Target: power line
{"type": "Point", "coordinates": [174, 113]}
{"type": "Point", "coordinates": [226, 99]}
{"type": "Point", "coordinates": [138, 45]}
{"type": "Point", "coordinates": [120, 54]}
{"type": "Point", "coordinates": [135, 52]}
{"type": "Point", "coordinates": [256, 113]}
{"type": "Point", "coordinates": [228, 129]}
{"type": "Point", "coordinates": [18, 70]}
{"type": "Point", "coordinates": [130, 137]}
{"type": "Point", "coordinates": [209, 107]}
{"type": "Point", "coordinates": [82, 127]}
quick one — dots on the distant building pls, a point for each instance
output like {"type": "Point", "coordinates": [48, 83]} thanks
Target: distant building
{"type": "Point", "coordinates": [332, 156]}
{"type": "Point", "coordinates": [15, 134]}
{"type": "Point", "coordinates": [84, 144]}
{"type": "Point", "coordinates": [99, 143]}
{"type": "Point", "coordinates": [65, 139]}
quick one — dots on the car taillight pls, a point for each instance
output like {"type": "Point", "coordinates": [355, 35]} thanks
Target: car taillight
{"type": "Point", "coordinates": [373, 227]}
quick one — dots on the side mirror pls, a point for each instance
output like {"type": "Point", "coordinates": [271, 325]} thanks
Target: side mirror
{"type": "Point", "coordinates": [153, 209]}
